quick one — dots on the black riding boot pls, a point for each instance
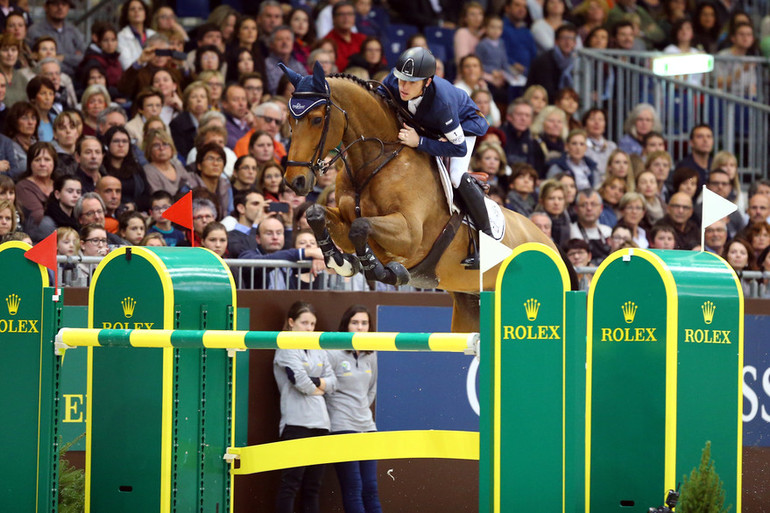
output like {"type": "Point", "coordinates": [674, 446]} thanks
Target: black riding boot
{"type": "Point", "coordinates": [473, 198]}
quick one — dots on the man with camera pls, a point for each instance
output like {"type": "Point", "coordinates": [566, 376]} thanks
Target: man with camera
{"type": "Point", "coordinates": [156, 55]}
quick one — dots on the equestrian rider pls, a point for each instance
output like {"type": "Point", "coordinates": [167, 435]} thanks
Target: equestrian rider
{"type": "Point", "coordinates": [442, 108]}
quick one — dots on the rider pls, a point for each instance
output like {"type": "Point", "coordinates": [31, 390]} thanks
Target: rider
{"type": "Point", "coordinates": [442, 108]}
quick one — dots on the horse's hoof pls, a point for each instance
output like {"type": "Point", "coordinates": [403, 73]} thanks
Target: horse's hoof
{"type": "Point", "coordinates": [316, 218]}
{"type": "Point", "coordinates": [359, 232]}
{"type": "Point", "coordinates": [349, 266]}
{"type": "Point", "coordinates": [402, 275]}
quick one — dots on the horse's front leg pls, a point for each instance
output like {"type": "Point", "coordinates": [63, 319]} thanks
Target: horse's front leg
{"type": "Point", "coordinates": [393, 273]}
{"type": "Point", "coordinates": [318, 217]}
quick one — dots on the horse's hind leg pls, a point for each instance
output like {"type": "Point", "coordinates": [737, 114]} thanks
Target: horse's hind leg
{"type": "Point", "coordinates": [343, 264]}
{"type": "Point", "coordinates": [392, 273]}
{"type": "Point", "coordinates": [465, 312]}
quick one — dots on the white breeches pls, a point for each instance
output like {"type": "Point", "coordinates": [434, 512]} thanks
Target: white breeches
{"type": "Point", "coordinates": [458, 166]}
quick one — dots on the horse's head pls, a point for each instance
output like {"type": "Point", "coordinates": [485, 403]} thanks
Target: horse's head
{"type": "Point", "coordinates": [315, 128]}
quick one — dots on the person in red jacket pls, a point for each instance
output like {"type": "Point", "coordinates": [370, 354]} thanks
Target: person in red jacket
{"type": "Point", "coordinates": [104, 50]}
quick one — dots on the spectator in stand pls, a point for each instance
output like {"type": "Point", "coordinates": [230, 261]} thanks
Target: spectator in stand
{"type": "Point", "coordinates": [494, 60]}
{"type": "Point", "coordinates": [728, 163]}
{"type": "Point", "coordinates": [588, 228]}
{"type": "Point", "coordinates": [209, 167]}
{"type": "Point", "coordinates": [759, 208]}
{"type": "Point", "coordinates": [163, 171]}
{"type": "Point", "coordinates": [140, 74]}
{"type": "Point", "coordinates": [10, 6]}
{"type": "Point", "coordinates": [685, 179]}
{"type": "Point", "coordinates": [237, 114]}
{"type": "Point", "coordinates": [244, 65]}
{"type": "Point", "coordinates": [90, 210]}
{"type": "Point", "coordinates": [733, 74]}
{"type": "Point", "coordinates": [727, 28]}
{"type": "Point", "coordinates": [131, 227]}
{"type": "Point", "coordinates": [350, 411]}
{"type": "Point", "coordinates": [250, 208]}
{"type": "Point", "coordinates": [109, 189]}
{"type": "Point", "coordinates": [214, 237]}
{"type": "Point", "coordinates": [95, 99]}
{"type": "Point", "coordinates": [348, 42]}
{"type": "Point", "coordinates": [568, 100]}
{"type": "Point", "coordinates": [519, 44]}
{"type": "Point", "coordinates": [598, 147]}
{"type": "Point", "coordinates": [682, 36]}
{"type": "Point", "coordinates": [651, 31]}
{"type": "Point", "coordinates": [209, 58]}
{"type": "Point", "coordinates": [93, 243]}
{"type": "Point", "coordinates": [701, 145]}
{"type": "Point", "coordinates": [298, 279]}
{"type": "Point", "coordinates": [544, 29]}
{"type": "Point", "coordinates": [758, 235]}
{"type": "Point", "coordinates": [647, 186]}
{"type": "Point", "coordinates": [135, 33]}
{"type": "Point", "coordinates": [632, 210]}
{"type": "Point", "coordinates": [159, 203]}
{"type": "Point", "coordinates": [204, 213]}
{"type": "Point", "coordinates": [642, 120]}
{"type": "Point", "coordinates": [61, 203]}
{"type": "Point", "coordinates": [579, 255]}
{"type": "Point", "coordinates": [281, 44]}
{"type": "Point", "coordinates": [593, 14]}
{"type": "Point", "coordinates": [155, 240]}
{"type": "Point", "coordinates": [50, 68]}
{"type": "Point", "coordinates": [489, 159]}
{"type": "Point", "coordinates": [268, 117]}
{"type": "Point", "coordinates": [245, 37]}
{"type": "Point", "coordinates": [537, 97]}
{"type": "Point", "coordinates": [715, 237]}
{"type": "Point", "coordinates": [120, 162]}
{"type": "Point", "coordinates": [165, 82]}
{"type": "Point", "coordinates": [519, 143]}
{"type": "Point", "coordinates": [7, 217]}
{"type": "Point", "coordinates": [269, 17]}
{"type": "Point", "coordinates": [719, 183]}
{"type": "Point", "coordinates": [207, 35]}
{"type": "Point", "coordinates": [213, 131]}
{"type": "Point", "coordinates": [522, 197]}
{"type": "Point", "coordinates": [706, 26]}
{"type": "Point", "coordinates": [16, 25]}
{"type": "Point", "coordinates": [16, 89]}
{"type": "Point", "coordinates": [304, 34]}
{"type": "Point", "coordinates": [470, 32]}
{"type": "Point", "coordinates": [303, 377]}
{"type": "Point", "coordinates": [371, 57]}
{"type": "Point", "coordinates": [21, 127]}
{"type": "Point", "coordinates": [611, 190]}
{"type": "Point", "coordinates": [553, 68]}
{"type": "Point", "coordinates": [550, 132]}
{"type": "Point", "coordinates": [552, 201]}
{"type": "Point", "coordinates": [570, 193]}
{"type": "Point", "coordinates": [164, 20]}
{"type": "Point", "coordinates": [740, 256]}
{"type": "Point", "coordinates": [659, 163]}
{"type": "Point", "coordinates": [36, 185]}
{"type": "Point", "coordinates": [40, 93]}
{"type": "Point", "coordinates": [624, 36]}
{"type": "Point", "coordinates": [598, 39]}
{"type": "Point", "coordinates": [196, 100]}
{"type": "Point", "coordinates": [270, 181]}
{"type": "Point", "coordinates": [69, 40]}
{"type": "Point", "coordinates": [662, 237]}
{"type": "Point", "coordinates": [575, 163]}
{"type": "Point", "coordinates": [471, 77]}
{"type": "Point", "coordinates": [254, 86]}
{"type": "Point", "coordinates": [619, 165]}
{"type": "Point", "coordinates": [104, 51]}
{"type": "Point", "coordinates": [542, 221]}
{"type": "Point", "coordinates": [67, 128]}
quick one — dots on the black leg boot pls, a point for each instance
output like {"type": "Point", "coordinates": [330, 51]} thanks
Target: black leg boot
{"type": "Point", "coordinates": [473, 198]}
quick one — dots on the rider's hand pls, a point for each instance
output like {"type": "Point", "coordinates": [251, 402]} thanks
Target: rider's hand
{"type": "Point", "coordinates": [408, 136]}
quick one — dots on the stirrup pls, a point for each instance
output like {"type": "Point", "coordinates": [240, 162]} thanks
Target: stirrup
{"type": "Point", "coordinates": [472, 262]}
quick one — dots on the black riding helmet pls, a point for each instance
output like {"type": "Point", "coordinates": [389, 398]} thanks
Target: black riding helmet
{"type": "Point", "coordinates": [415, 64]}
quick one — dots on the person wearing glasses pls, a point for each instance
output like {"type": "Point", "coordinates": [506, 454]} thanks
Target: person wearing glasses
{"type": "Point", "coordinates": [268, 117]}
{"type": "Point", "coordinates": [90, 209]}
{"type": "Point", "coordinates": [679, 215]}
{"type": "Point", "coordinates": [163, 171]}
{"type": "Point", "coordinates": [93, 243]}
{"type": "Point", "coordinates": [209, 167]}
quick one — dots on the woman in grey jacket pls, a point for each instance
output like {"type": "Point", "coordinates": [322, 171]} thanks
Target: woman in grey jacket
{"type": "Point", "coordinates": [350, 412]}
{"type": "Point", "coordinates": [303, 377]}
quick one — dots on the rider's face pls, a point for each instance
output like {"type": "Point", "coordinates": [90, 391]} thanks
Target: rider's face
{"type": "Point", "coordinates": [411, 90]}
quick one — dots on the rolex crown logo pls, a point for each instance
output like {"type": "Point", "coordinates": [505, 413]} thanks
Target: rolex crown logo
{"type": "Point", "coordinates": [13, 302]}
{"type": "Point", "coordinates": [629, 311]}
{"type": "Point", "coordinates": [128, 307]}
{"type": "Point", "coordinates": [531, 307]}
{"type": "Point", "coordinates": [708, 311]}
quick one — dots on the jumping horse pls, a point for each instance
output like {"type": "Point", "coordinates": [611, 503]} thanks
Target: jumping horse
{"type": "Point", "coordinates": [392, 219]}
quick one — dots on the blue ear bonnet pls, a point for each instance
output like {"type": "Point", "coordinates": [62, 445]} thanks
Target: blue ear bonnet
{"type": "Point", "coordinates": [309, 90]}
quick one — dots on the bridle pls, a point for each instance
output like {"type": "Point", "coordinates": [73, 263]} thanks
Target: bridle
{"type": "Point", "coordinates": [317, 164]}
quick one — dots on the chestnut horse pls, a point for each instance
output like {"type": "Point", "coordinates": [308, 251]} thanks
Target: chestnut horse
{"type": "Point", "coordinates": [391, 205]}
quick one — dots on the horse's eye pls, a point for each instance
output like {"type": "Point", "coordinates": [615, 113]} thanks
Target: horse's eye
{"type": "Point", "coordinates": [316, 121]}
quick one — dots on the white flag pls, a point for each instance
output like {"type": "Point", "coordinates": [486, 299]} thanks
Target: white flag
{"type": "Point", "coordinates": [715, 207]}
{"type": "Point", "coordinates": [491, 252]}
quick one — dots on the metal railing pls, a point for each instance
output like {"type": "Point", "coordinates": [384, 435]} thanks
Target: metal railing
{"type": "Point", "coordinates": [76, 271]}
{"type": "Point", "coordinates": [617, 81]}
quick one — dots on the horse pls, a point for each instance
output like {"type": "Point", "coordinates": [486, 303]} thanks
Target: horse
{"type": "Point", "coordinates": [392, 218]}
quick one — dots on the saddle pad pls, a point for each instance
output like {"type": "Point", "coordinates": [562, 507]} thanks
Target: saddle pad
{"type": "Point", "coordinates": [496, 218]}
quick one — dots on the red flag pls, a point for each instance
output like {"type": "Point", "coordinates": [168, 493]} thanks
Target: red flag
{"type": "Point", "coordinates": [181, 212]}
{"type": "Point", "coordinates": [44, 252]}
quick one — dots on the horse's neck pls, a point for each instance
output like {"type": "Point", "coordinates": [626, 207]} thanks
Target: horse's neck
{"type": "Point", "coordinates": [368, 116]}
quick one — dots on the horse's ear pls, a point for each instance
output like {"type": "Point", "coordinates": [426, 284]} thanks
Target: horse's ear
{"type": "Point", "coordinates": [319, 77]}
{"type": "Point", "coordinates": [294, 77]}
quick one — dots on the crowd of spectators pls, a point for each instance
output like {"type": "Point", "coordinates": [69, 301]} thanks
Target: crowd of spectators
{"type": "Point", "coordinates": [99, 135]}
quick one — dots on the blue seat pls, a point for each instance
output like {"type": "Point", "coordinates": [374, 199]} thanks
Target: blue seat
{"type": "Point", "coordinates": [193, 9]}
{"type": "Point", "coordinates": [444, 38]}
{"type": "Point", "coordinates": [381, 16]}
{"type": "Point", "coordinates": [398, 34]}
